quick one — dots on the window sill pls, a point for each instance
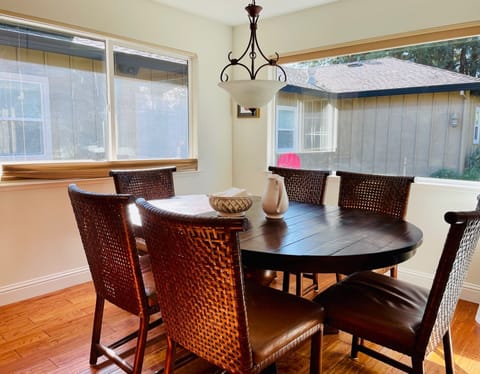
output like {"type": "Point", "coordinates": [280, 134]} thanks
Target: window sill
{"type": "Point", "coordinates": [31, 172]}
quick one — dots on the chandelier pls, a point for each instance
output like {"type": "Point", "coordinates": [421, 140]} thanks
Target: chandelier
{"type": "Point", "coordinates": [252, 93]}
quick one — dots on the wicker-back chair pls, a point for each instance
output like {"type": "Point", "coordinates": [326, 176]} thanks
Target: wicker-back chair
{"type": "Point", "coordinates": [119, 275]}
{"type": "Point", "coordinates": [155, 183]}
{"type": "Point", "coordinates": [385, 194]}
{"type": "Point", "coordinates": [403, 316]}
{"type": "Point", "coordinates": [304, 186]}
{"type": "Point", "coordinates": [235, 324]}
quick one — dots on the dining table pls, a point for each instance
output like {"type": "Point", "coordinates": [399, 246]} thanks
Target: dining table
{"type": "Point", "coordinates": [311, 238]}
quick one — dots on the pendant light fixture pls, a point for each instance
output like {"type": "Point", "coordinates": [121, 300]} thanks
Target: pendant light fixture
{"type": "Point", "coordinates": [252, 93]}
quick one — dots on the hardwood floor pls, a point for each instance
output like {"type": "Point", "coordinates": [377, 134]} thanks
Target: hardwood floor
{"type": "Point", "coordinates": [51, 334]}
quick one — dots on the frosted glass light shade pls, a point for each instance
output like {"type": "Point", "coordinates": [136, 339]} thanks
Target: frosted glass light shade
{"type": "Point", "coordinates": [252, 93]}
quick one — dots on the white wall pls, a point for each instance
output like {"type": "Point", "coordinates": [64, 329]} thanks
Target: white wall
{"type": "Point", "coordinates": [348, 21]}
{"type": "Point", "coordinates": [39, 243]}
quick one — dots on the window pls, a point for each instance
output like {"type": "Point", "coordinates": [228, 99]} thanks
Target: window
{"type": "Point", "coordinates": [151, 105]}
{"type": "Point", "coordinates": [476, 126]}
{"type": "Point", "coordinates": [24, 117]}
{"type": "Point", "coordinates": [318, 126]}
{"type": "Point", "coordinates": [407, 110]}
{"type": "Point", "coordinates": [287, 129]}
{"type": "Point", "coordinates": [61, 102]}
{"type": "Point", "coordinates": [313, 119]}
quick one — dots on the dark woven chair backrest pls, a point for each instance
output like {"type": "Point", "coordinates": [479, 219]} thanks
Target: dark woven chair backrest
{"type": "Point", "coordinates": [109, 246]}
{"type": "Point", "coordinates": [452, 269]}
{"type": "Point", "coordinates": [147, 183]}
{"type": "Point", "coordinates": [304, 186]}
{"type": "Point", "coordinates": [196, 260]}
{"type": "Point", "coordinates": [384, 194]}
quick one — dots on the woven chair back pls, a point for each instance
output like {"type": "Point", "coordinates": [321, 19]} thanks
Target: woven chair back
{"type": "Point", "coordinates": [207, 314]}
{"type": "Point", "coordinates": [452, 269]}
{"type": "Point", "coordinates": [109, 246]}
{"type": "Point", "coordinates": [304, 186]}
{"type": "Point", "coordinates": [147, 183]}
{"type": "Point", "coordinates": [383, 194]}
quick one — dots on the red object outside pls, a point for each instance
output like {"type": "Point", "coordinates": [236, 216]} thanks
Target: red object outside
{"type": "Point", "coordinates": [289, 160]}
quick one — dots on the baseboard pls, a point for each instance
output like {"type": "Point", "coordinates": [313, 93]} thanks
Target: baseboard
{"type": "Point", "coordinates": [39, 286]}
{"type": "Point", "coordinates": [54, 282]}
{"type": "Point", "coordinates": [470, 291]}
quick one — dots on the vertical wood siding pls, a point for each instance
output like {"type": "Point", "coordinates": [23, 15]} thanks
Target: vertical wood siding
{"type": "Point", "coordinates": [403, 134]}
{"type": "Point", "coordinates": [76, 97]}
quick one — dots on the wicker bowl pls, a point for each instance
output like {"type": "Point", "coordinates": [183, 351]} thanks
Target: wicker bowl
{"type": "Point", "coordinates": [230, 206]}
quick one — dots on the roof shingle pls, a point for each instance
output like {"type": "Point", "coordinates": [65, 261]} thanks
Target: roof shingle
{"type": "Point", "coordinates": [386, 73]}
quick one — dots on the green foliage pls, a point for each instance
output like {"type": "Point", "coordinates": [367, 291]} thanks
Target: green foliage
{"type": "Point", "coordinates": [474, 159]}
{"type": "Point", "coordinates": [459, 55]}
{"type": "Point", "coordinates": [445, 174]}
{"type": "Point", "coordinates": [471, 172]}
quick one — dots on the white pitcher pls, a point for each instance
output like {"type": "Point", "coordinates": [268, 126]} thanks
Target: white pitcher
{"type": "Point", "coordinates": [274, 198]}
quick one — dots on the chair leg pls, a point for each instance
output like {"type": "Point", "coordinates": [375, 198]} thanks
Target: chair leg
{"type": "Point", "coordinates": [448, 353]}
{"type": "Point", "coordinates": [394, 271]}
{"type": "Point", "coordinates": [316, 353]}
{"type": "Point", "coordinates": [315, 281]}
{"type": "Point", "coordinates": [286, 282]}
{"type": "Point", "coordinates": [97, 330]}
{"type": "Point", "coordinates": [298, 284]}
{"type": "Point", "coordinates": [272, 369]}
{"type": "Point", "coordinates": [417, 365]}
{"type": "Point", "coordinates": [170, 355]}
{"type": "Point", "coordinates": [141, 343]}
{"type": "Point", "coordinates": [355, 343]}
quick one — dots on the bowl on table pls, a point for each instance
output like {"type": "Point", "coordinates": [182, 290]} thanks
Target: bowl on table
{"type": "Point", "coordinates": [230, 203]}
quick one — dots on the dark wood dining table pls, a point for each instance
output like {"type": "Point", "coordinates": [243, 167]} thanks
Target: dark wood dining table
{"type": "Point", "coordinates": [313, 238]}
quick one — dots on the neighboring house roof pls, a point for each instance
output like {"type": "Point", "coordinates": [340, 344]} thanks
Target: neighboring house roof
{"type": "Point", "coordinates": [378, 77]}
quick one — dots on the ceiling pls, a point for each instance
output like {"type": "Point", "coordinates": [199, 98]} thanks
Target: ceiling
{"type": "Point", "coordinates": [232, 12]}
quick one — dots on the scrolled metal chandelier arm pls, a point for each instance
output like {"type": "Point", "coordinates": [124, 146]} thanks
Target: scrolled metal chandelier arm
{"type": "Point", "coordinates": [273, 62]}
{"type": "Point", "coordinates": [233, 62]}
{"type": "Point", "coordinates": [253, 11]}
{"type": "Point", "coordinates": [252, 93]}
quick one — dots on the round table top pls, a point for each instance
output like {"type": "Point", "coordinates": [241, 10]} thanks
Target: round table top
{"type": "Point", "coordinates": [314, 238]}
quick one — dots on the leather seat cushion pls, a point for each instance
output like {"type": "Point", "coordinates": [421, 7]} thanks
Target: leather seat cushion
{"type": "Point", "coordinates": [376, 307]}
{"type": "Point", "coordinates": [277, 319]}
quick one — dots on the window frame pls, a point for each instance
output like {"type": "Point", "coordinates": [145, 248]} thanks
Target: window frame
{"type": "Point", "coordinates": [48, 170]}
{"type": "Point", "coordinates": [437, 34]}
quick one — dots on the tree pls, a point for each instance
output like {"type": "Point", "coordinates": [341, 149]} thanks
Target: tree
{"type": "Point", "coordinates": [459, 55]}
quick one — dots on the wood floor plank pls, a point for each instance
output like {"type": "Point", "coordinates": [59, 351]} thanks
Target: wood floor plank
{"type": "Point", "coordinates": [9, 357]}
{"type": "Point", "coordinates": [51, 334]}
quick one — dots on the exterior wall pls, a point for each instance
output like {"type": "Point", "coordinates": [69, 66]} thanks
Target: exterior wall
{"type": "Point", "coordinates": [76, 99]}
{"type": "Point", "coordinates": [66, 79]}
{"type": "Point", "coordinates": [402, 135]}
